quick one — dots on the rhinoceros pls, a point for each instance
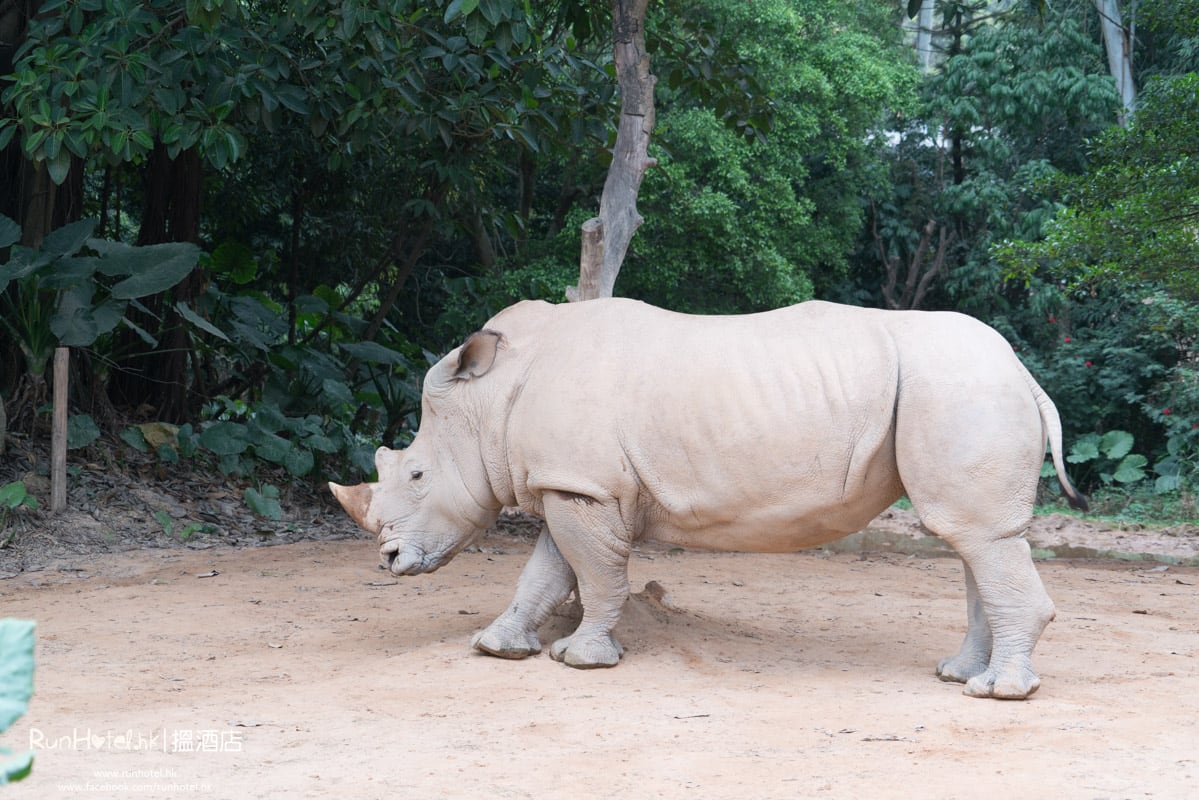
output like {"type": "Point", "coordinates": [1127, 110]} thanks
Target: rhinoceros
{"type": "Point", "coordinates": [618, 422]}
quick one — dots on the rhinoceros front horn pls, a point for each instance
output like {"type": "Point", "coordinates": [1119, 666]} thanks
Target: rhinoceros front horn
{"type": "Point", "coordinates": [356, 500]}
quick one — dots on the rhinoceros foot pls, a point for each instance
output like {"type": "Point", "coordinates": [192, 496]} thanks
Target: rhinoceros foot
{"type": "Point", "coordinates": [506, 641]}
{"type": "Point", "coordinates": [587, 650]}
{"type": "Point", "coordinates": [961, 668]}
{"type": "Point", "coordinates": [1015, 682]}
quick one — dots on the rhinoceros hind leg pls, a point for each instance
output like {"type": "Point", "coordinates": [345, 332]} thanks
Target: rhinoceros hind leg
{"type": "Point", "coordinates": [587, 650]}
{"type": "Point", "coordinates": [592, 538]}
{"type": "Point", "coordinates": [1011, 683]}
{"type": "Point", "coordinates": [1017, 609]}
{"type": "Point", "coordinates": [975, 653]}
{"type": "Point", "coordinates": [544, 584]}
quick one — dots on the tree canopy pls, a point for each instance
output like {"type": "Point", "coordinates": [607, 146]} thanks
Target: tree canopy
{"type": "Point", "coordinates": [258, 221]}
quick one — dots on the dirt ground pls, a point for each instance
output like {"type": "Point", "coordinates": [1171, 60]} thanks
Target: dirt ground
{"type": "Point", "coordinates": [303, 671]}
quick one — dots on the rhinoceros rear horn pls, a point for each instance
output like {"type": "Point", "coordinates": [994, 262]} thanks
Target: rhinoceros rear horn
{"type": "Point", "coordinates": [356, 500]}
{"type": "Point", "coordinates": [477, 354]}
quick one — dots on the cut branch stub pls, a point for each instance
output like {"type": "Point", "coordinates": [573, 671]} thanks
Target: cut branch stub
{"type": "Point", "coordinates": [591, 262]}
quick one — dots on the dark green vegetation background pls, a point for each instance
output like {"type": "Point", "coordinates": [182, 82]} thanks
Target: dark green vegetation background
{"type": "Point", "coordinates": [338, 191]}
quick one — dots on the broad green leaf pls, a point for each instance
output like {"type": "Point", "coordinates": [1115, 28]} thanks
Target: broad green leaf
{"type": "Point", "coordinates": [226, 438]}
{"type": "Point", "coordinates": [59, 166]}
{"type": "Point", "coordinates": [1170, 465]}
{"type": "Point", "coordinates": [263, 503]}
{"type": "Point", "coordinates": [133, 437]}
{"type": "Point", "coordinates": [142, 333]}
{"type": "Point", "coordinates": [1085, 449]}
{"type": "Point", "coordinates": [299, 461]}
{"type": "Point", "coordinates": [234, 260]}
{"type": "Point", "coordinates": [269, 419]}
{"type": "Point", "coordinates": [186, 440]}
{"type": "Point", "coordinates": [476, 30]}
{"type": "Point", "coordinates": [1167, 483]}
{"type": "Point", "coordinates": [186, 312]}
{"type": "Point", "coordinates": [1116, 444]}
{"type": "Point", "coordinates": [1131, 469]}
{"type": "Point", "coordinates": [13, 494]}
{"type": "Point", "coordinates": [77, 328]}
{"type": "Point", "coordinates": [156, 268]}
{"type": "Point", "coordinates": [10, 232]}
{"type": "Point", "coordinates": [363, 457]}
{"type": "Point", "coordinates": [16, 767]}
{"type": "Point", "coordinates": [78, 324]}
{"type": "Point", "coordinates": [81, 431]}
{"type": "Point", "coordinates": [374, 353]}
{"type": "Point", "coordinates": [70, 272]}
{"type": "Point", "coordinates": [230, 464]}
{"type": "Point", "coordinates": [334, 391]}
{"type": "Point", "coordinates": [320, 443]}
{"type": "Point", "coordinates": [16, 669]}
{"type": "Point", "coordinates": [68, 239]}
{"type": "Point", "coordinates": [271, 447]}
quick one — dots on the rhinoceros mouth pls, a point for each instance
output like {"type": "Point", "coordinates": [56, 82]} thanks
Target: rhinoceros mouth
{"type": "Point", "coordinates": [407, 562]}
{"type": "Point", "coordinates": [405, 556]}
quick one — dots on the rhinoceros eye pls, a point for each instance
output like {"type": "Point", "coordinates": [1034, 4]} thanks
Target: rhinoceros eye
{"type": "Point", "coordinates": [417, 474]}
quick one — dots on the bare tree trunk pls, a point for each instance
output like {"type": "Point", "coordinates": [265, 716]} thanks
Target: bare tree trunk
{"type": "Point", "coordinates": [606, 238]}
{"type": "Point", "coordinates": [922, 27]}
{"type": "Point", "coordinates": [1118, 43]}
{"type": "Point", "coordinates": [920, 273]}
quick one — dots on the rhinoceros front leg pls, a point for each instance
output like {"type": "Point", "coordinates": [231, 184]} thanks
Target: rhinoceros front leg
{"type": "Point", "coordinates": [544, 584]}
{"type": "Point", "coordinates": [594, 541]}
{"type": "Point", "coordinates": [975, 654]}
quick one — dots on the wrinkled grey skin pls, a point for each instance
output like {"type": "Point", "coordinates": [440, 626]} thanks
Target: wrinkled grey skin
{"type": "Point", "coordinates": [618, 422]}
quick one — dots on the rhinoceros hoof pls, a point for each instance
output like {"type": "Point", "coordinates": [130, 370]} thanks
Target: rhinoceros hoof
{"type": "Point", "coordinates": [499, 641]}
{"type": "Point", "coordinates": [587, 651]}
{"type": "Point", "coordinates": [960, 668]}
{"type": "Point", "coordinates": [1014, 683]}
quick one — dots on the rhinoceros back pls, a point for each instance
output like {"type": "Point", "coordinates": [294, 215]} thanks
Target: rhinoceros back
{"type": "Point", "coordinates": [769, 431]}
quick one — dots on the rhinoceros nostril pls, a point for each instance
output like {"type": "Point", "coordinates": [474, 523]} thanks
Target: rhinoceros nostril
{"type": "Point", "coordinates": [391, 559]}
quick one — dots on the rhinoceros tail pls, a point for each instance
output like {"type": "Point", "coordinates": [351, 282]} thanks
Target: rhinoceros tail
{"type": "Point", "coordinates": [1052, 424]}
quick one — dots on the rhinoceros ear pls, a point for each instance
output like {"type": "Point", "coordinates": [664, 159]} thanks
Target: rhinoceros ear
{"type": "Point", "coordinates": [387, 462]}
{"type": "Point", "coordinates": [477, 354]}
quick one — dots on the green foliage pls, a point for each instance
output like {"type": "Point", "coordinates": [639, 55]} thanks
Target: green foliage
{"type": "Point", "coordinates": [1143, 178]}
{"type": "Point", "coordinates": [1109, 457]}
{"type": "Point", "coordinates": [74, 289]}
{"type": "Point", "coordinates": [735, 219]}
{"type": "Point", "coordinates": [723, 246]}
{"type": "Point", "coordinates": [181, 533]}
{"type": "Point", "coordinates": [1010, 107]}
{"type": "Point", "coordinates": [81, 431]}
{"type": "Point", "coordinates": [264, 502]}
{"type": "Point", "coordinates": [16, 688]}
{"type": "Point", "coordinates": [14, 496]}
{"type": "Point", "coordinates": [1121, 363]}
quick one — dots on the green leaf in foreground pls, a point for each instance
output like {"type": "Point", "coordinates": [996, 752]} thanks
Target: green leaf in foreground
{"type": "Point", "coordinates": [16, 669]}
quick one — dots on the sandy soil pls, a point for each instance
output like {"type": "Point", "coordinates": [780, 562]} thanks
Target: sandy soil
{"type": "Point", "coordinates": [303, 671]}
